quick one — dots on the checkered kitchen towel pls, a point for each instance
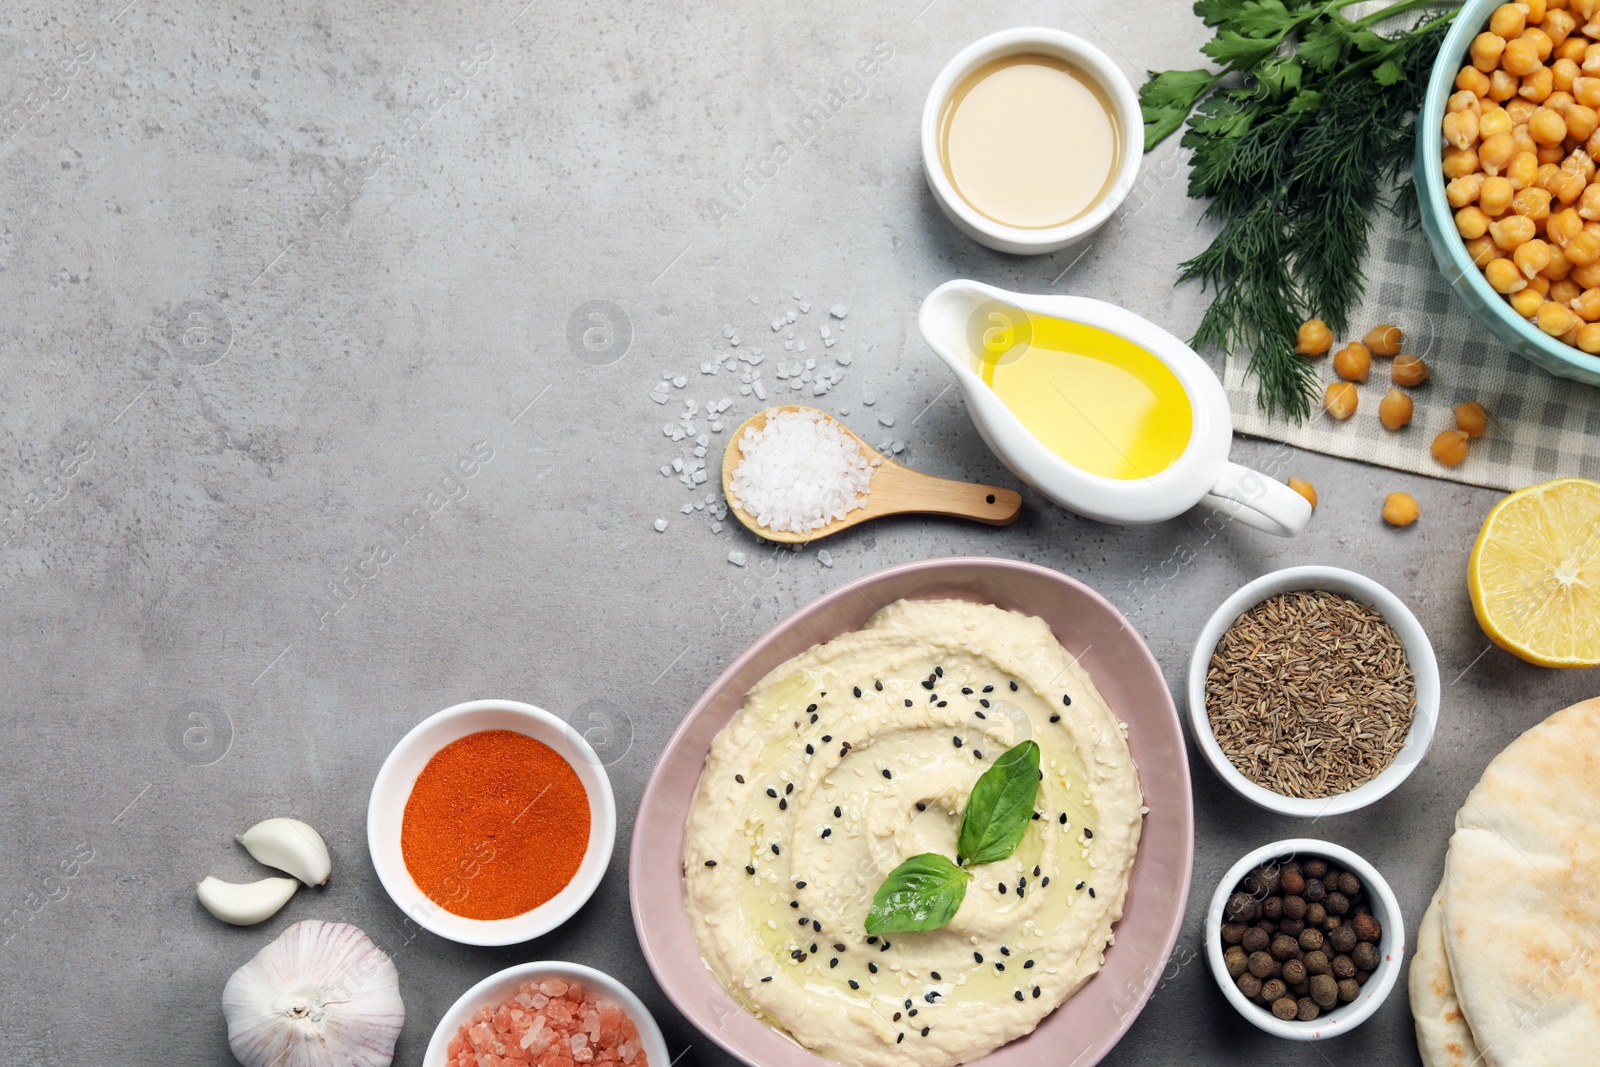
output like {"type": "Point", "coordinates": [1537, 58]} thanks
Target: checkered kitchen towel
{"type": "Point", "coordinates": [1540, 426]}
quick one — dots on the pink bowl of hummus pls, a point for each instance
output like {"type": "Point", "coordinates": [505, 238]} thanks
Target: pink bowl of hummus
{"type": "Point", "coordinates": [847, 742]}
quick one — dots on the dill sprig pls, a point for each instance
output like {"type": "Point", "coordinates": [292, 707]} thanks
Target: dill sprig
{"type": "Point", "coordinates": [1300, 138]}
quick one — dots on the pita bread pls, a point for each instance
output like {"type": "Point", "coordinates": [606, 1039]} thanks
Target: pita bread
{"type": "Point", "coordinates": [1522, 897]}
{"type": "Point", "coordinates": [1443, 1037]}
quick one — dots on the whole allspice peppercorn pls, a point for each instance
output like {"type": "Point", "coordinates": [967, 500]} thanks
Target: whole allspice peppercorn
{"type": "Point", "coordinates": [1344, 967]}
{"type": "Point", "coordinates": [1272, 908]}
{"type": "Point", "coordinates": [1314, 890]}
{"type": "Point", "coordinates": [1233, 932]}
{"type": "Point", "coordinates": [1365, 956]}
{"type": "Point", "coordinates": [1349, 989]}
{"type": "Point", "coordinates": [1249, 985]}
{"type": "Point", "coordinates": [1314, 868]}
{"type": "Point", "coordinates": [1367, 928]}
{"type": "Point", "coordinates": [1310, 939]}
{"type": "Point", "coordinates": [1349, 884]}
{"type": "Point", "coordinates": [1294, 907]}
{"type": "Point", "coordinates": [1285, 1008]}
{"type": "Point", "coordinates": [1316, 914]}
{"type": "Point", "coordinates": [1292, 927]}
{"type": "Point", "coordinates": [1273, 989]}
{"type": "Point", "coordinates": [1336, 903]}
{"type": "Point", "coordinates": [1307, 1010]}
{"type": "Point", "coordinates": [1261, 965]}
{"type": "Point", "coordinates": [1236, 960]}
{"type": "Point", "coordinates": [1285, 947]}
{"type": "Point", "coordinates": [1316, 962]}
{"type": "Point", "coordinates": [1325, 991]}
{"type": "Point", "coordinates": [1342, 939]}
{"type": "Point", "coordinates": [1291, 881]}
{"type": "Point", "coordinates": [1256, 939]}
{"type": "Point", "coordinates": [1242, 906]}
{"type": "Point", "coordinates": [1294, 971]}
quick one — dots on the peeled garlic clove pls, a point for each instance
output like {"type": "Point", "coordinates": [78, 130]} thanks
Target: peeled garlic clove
{"type": "Point", "coordinates": [245, 904]}
{"type": "Point", "coordinates": [289, 845]}
{"type": "Point", "coordinates": [321, 995]}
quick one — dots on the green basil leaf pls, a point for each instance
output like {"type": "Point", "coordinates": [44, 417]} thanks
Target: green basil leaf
{"type": "Point", "coordinates": [1000, 807]}
{"type": "Point", "coordinates": [922, 893]}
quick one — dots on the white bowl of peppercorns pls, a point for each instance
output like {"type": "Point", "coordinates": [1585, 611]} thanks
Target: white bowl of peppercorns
{"type": "Point", "coordinates": [1305, 938]}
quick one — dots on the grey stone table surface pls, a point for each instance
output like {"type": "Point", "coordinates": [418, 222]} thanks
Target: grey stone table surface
{"type": "Point", "coordinates": [269, 270]}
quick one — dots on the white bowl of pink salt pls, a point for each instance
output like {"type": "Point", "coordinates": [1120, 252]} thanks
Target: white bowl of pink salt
{"type": "Point", "coordinates": [548, 1014]}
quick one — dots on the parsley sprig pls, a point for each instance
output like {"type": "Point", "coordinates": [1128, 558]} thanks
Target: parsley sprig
{"type": "Point", "coordinates": [1295, 140]}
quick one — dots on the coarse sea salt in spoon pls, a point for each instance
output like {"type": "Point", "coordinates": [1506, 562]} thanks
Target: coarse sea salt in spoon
{"type": "Point", "coordinates": [808, 467]}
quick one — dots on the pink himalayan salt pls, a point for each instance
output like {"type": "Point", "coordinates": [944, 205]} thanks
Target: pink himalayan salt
{"type": "Point", "coordinates": [552, 1023]}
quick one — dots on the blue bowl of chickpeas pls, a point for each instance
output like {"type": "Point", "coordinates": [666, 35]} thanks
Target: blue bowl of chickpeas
{"type": "Point", "coordinates": [1506, 178]}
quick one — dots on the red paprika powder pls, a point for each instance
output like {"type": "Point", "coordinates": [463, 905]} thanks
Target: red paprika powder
{"type": "Point", "coordinates": [496, 825]}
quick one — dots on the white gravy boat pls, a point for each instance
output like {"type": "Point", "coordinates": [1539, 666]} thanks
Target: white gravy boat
{"type": "Point", "coordinates": [1202, 472]}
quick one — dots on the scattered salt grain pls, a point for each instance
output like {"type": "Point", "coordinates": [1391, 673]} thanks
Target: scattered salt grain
{"type": "Point", "coordinates": [680, 381]}
{"type": "Point", "coordinates": [838, 311]}
{"type": "Point", "coordinates": [799, 472]}
{"type": "Point", "coordinates": [736, 558]}
{"type": "Point", "coordinates": [661, 525]}
{"type": "Point", "coordinates": [886, 420]}
{"type": "Point", "coordinates": [824, 557]}
{"type": "Point", "coordinates": [869, 400]}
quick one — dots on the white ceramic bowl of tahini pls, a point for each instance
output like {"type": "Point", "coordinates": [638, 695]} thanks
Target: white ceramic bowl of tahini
{"type": "Point", "coordinates": [1419, 653]}
{"type": "Point", "coordinates": [1391, 945]}
{"type": "Point", "coordinates": [1033, 40]}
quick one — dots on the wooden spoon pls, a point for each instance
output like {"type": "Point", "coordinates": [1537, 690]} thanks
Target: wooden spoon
{"type": "Point", "coordinates": [895, 490]}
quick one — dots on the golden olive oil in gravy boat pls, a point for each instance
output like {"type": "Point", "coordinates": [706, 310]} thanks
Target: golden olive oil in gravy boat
{"type": "Point", "coordinates": [1101, 410]}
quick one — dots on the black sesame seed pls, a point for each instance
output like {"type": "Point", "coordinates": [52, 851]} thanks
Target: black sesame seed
{"type": "Point", "coordinates": [912, 1012]}
{"type": "Point", "coordinates": [887, 773]}
{"type": "Point", "coordinates": [1035, 816]}
{"type": "Point", "coordinates": [1027, 965]}
{"type": "Point", "coordinates": [1055, 718]}
{"type": "Point", "coordinates": [1066, 700]}
{"type": "Point", "coordinates": [908, 702]}
{"type": "Point", "coordinates": [749, 869]}
{"type": "Point", "coordinates": [838, 947]}
{"type": "Point", "coordinates": [1091, 891]}
{"type": "Point", "coordinates": [925, 1030]}
{"type": "Point", "coordinates": [878, 686]}
{"type": "Point", "coordinates": [783, 804]}
{"type": "Point", "coordinates": [939, 671]}
{"type": "Point", "coordinates": [1063, 818]}
{"type": "Point", "coordinates": [813, 944]}
{"type": "Point", "coordinates": [811, 707]}
{"type": "Point", "coordinates": [942, 704]}
{"type": "Point", "coordinates": [818, 928]}
{"type": "Point", "coordinates": [768, 978]}
{"type": "Point", "coordinates": [872, 968]}
{"type": "Point", "coordinates": [935, 975]}
{"type": "Point", "coordinates": [771, 792]}
{"type": "Point", "coordinates": [805, 921]}
{"type": "Point", "coordinates": [884, 947]}
{"type": "Point", "coordinates": [833, 963]}
{"type": "Point", "coordinates": [1004, 951]}
{"type": "Point", "coordinates": [1002, 889]}
{"type": "Point", "coordinates": [857, 691]}
{"type": "Point", "coordinates": [873, 940]}
{"type": "Point", "coordinates": [796, 954]}
{"type": "Point", "coordinates": [826, 830]}
{"type": "Point", "coordinates": [988, 689]}
{"type": "Point", "coordinates": [1087, 832]}
{"type": "Point", "coordinates": [795, 904]}
{"type": "Point", "coordinates": [739, 778]}
{"type": "Point", "coordinates": [921, 806]}
{"type": "Point", "coordinates": [1013, 687]}
{"type": "Point", "coordinates": [908, 1002]}
{"type": "Point", "coordinates": [800, 884]}
{"type": "Point", "coordinates": [981, 715]}
{"type": "Point", "coordinates": [1018, 994]}
{"type": "Point", "coordinates": [930, 996]}
{"type": "Point", "coordinates": [810, 751]}
{"type": "Point", "coordinates": [999, 966]}
{"type": "Point", "coordinates": [844, 750]}
{"type": "Point", "coordinates": [1078, 886]}
{"type": "Point", "coordinates": [957, 741]}
{"type": "Point", "coordinates": [814, 716]}
{"type": "Point", "coordinates": [826, 738]}
{"type": "Point", "coordinates": [899, 1037]}
{"type": "Point", "coordinates": [789, 788]}
{"type": "Point", "coordinates": [966, 691]}
{"type": "Point", "coordinates": [977, 753]}
{"type": "Point", "coordinates": [982, 702]}
{"type": "Point", "coordinates": [854, 984]}
{"type": "Point", "coordinates": [776, 851]}
{"type": "Point", "coordinates": [1036, 870]}
{"type": "Point", "coordinates": [896, 1017]}
{"type": "Point", "coordinates": [977, 957]}
{"type": "Point", "coordinates": [1022, 881]}
{"type": "Point", "coordinates": [1045, 880]}
{"type": "Point", "coordinates": [838, 812]}
{"type": "Point", "coordinates": [1021, 893]}
{"type": "Point", "coordinates": [1035, 992]}
{"type": "Point", "coordinates": [927, 683]}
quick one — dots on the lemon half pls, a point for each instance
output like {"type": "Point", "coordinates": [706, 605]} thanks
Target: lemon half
{"type": "Point", "coordinates": [1534, 575]}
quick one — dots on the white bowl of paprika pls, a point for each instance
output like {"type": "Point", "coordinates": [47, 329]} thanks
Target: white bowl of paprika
{"type": "Point", "coordinates": [491, 822]}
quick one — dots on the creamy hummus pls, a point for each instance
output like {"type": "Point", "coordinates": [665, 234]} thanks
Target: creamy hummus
{"type": "Point", "coordinates": [860, 753]}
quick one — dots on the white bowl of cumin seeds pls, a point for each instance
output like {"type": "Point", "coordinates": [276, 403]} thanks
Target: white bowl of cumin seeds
{"type": "Point", "coordinates": [1313, 691]}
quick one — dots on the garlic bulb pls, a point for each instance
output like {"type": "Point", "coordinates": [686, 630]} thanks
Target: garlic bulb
{"type": "Point", "coordinates": [248, 903]}
{"type": "Point", "coordinates": [289, 845]}
{"type": "Point", "coordinates": [321, 995]}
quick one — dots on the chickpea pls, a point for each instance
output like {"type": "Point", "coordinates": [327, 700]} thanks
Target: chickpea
{"type": "Point", "coordinates": [1571, 49]}
{"type": "Point", "coordinates": [1494, 154]}
{"type": "Point", "coordinates": [1558, 25]}
{"type": "Point", "coordinates": [1305, 489]}
{"type": "Point", "coordinates": [1522, 170]}
{"type": "Point", "coordinates": [1527, 302]}
{"type": "Point", "coordinates": [1502, 86]}
{"type": "Point", "coordinates": [1353, 362]}
{"type": "Point", "coordinates": [1408, 370]}
{"type": "Point", "coordinates": [1340, 400]}
{"type": "Point", "coordinates": [1557, 270]}
{"type": "Point", "coordinates": [1504, 277]}
{"type": "Point", "coordinates": [1564, 292]}
{"type": "Point", "coordinates": [1532, 202]}
{"type": "Point", "coordinates": [1471, 419]}
{"type": "Point", "coordinates": [1588, 201]}
{"type": "Point", "coordinates": [1400, 509]}
{"type": "Point", "coordinates": [1536, 9]}
{"type": "Point", "coordinates": [1544, 174]}
{"type": "Point", "coordinates": [1584, 249]}
{"type": "Point", "coordinates": [1519, 111]}
{"type": "Point", "coordinates": [1540, 284]}
{"type": "Point", "coordinates": [1542, 43]}
{"type": "Point", "coordinates": [1493, 121]}
{"type": "Point", "coordinates": [1588, 277]}
{"type": "Point", "coordinates": [1461, 128]}
{"type": "Point", "coordinates": [1464, 100]}
{"type": "Point", "coordinates": [1476, 81]}
{"type": "Point", "coordinates": [1561, 227]}
{"type": "Point", "coordinates": [1460, 192]}
{"type": "Point", "coordinates": [1450, 447]}
{"type": "Point", "coordinates": [1557, 101]}
{"type": "Point", "coordinates": [1564, 71]}
{"type": "Point", "coordinates": [1546, 127]}
{"type": "Point", "coordinates": [1313, 338]}
{"type": "Point", "coordinates": [1519, 58]}
{"type": "Point", "coordinates": [1548, 153]}
{"type": "Point", "coordinates": [1580, 163]}
{"type": "Point", "coordinates": [1508, 20]}
{"type": "Point", "coordinates": [1555, 319]}
{"type": "Point", "coordinates": [1567, 186]}
{"type": "Point", "coordinates": [1589, 338]}
{"type": "Point", "coordinates": [1586, 91]}
{"type": "Point", "coordinates": [1394, 410]}
{"type": "Point", "coordinates": [1384, 340]}
{"type": "Point", "coordinates": [1590, 60]}
{"type": "Point", "coordinates": [1537, 86]}
{"type": "Point", "coordinates": [1586, 305]}
{"type": "Point", "coordinates": [1486, 50]}
{"type": "Point", "coordinates": [1582, 121]}
{"type": "Point", "coordinates": [1459, 161]}
{"type": "Point", "coordinates": [1483, 251]}
{"type": "Point", "coordinates": [1511, 231]}
{"type": "Point", "coordinates": [1531, 257]}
